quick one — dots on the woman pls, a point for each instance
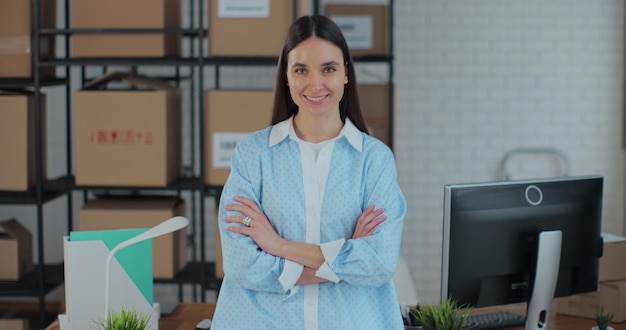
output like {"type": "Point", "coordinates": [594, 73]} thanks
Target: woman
{"type": "Point", "coordinates": [311, 215]}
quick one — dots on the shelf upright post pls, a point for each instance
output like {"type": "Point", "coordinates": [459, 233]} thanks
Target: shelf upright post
{"type": "Point", "coordinates": [316, 6]}
{"type": "Point", "coordinates": [201, 131]}
{"type": "Point", "coordinates": [68, 122]}
{"type": "Point", "coordinates": [192, 144]}
{"type": "Point", "coordinates": [41, 273]}
{"type": "Point", "coordinates": [391, 84]}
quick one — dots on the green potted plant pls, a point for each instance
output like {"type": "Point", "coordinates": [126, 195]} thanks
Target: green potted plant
{"type": "Point", "coordinates": [447, 315]}
{"type": "Point", "coordinates": [125, 319]}
{"type": "Point", "coordinates": [603, 319]}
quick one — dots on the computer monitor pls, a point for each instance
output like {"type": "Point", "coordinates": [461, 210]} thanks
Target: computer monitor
{"type": "Point", "coordinates": [503, 239]}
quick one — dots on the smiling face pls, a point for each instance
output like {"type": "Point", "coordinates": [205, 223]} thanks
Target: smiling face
{"type": "Point", "coordinates": [316, 75]}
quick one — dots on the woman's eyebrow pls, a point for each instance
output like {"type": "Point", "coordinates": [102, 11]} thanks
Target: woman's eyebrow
{"type": "Point", "coordinates": [330, 63]}
{"type": "Point", "coordinates": [298, 64]}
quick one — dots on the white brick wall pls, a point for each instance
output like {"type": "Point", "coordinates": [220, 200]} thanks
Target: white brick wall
{"type": "Point", "coordinates": [475, 79]}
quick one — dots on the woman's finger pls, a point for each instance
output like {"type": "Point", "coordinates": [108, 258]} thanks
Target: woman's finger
{"type": "Point", "coordinates": [235, 219]}
{"type": "Point", "coordinates": [368, 222]}
{"type": "Point", "coordinates": [370, 227]}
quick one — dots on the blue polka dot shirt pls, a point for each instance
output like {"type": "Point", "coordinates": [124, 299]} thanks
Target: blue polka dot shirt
{"type": "Point", "coordinates": [313, 198]}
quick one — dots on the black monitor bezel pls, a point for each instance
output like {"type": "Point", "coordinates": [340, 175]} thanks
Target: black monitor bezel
{"type": "Point", "coordinates": [596, 182]}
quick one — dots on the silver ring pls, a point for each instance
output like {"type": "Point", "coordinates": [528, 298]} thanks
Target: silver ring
{"type": "Point", "coordinates": [246, 221]}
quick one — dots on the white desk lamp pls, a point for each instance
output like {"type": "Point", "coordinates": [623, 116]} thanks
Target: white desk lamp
{"type": "Point", "coordinates": [165, 227]}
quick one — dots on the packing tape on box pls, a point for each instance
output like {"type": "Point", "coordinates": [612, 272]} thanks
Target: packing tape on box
{"type": "Point", "coordinates": [15, 45]}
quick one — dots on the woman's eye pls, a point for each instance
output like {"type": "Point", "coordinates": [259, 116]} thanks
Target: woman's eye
{"type": "Point", "coordinates": [330, 69]}
{"type": "Point", "coordinates": [300, 71]}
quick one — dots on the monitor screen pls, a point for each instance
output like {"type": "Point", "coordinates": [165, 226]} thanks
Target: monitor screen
{"type": "Point", "coordinates": [491, 233]}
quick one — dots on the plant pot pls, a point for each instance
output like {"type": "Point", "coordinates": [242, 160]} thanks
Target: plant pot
{"type": "Point", "coordinates": [595, 327]}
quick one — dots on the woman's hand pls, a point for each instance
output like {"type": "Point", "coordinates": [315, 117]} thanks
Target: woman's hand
{"type": "Point", "coordinates": [259, 228]}
{"type": "Point", "coordinates": [367, 223]}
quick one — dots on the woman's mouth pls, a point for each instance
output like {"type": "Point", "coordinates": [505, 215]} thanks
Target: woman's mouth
{"type": "Point", "coordinates": [316, 100]}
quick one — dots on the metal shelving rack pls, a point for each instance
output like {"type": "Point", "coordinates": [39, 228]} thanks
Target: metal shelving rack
{"type": "Point", "coordinates": [45, 277]}
{"type": "Point", "coordinates": [198, 271]}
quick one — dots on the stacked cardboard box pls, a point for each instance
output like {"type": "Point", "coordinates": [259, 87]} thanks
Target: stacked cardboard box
{"type": "Point", "coordinates": [121, 14]}
{"type": "Point", "coordinates": [365, 27]}
{"type": "Point", "coordinates": [17, 140]}
{"type": "Point", "coordinates": [16, 244]}
{"type": "Point", "coordinates": [16, 27]}
{"type": "Point", "coordinates": [219, 260]}
{"type": "Point", "coordinates": [611, 295]}
{"type": "Point", "coordinates": [14, 324]}
{"type": "Point", "coordinates": [223, 110]}
{"type": "Point", "coordinates": [169, 251]}
{"type": "Point", "coordinates": [240, 29]}
{"type": "Point", "coordinates": [224, 127]}
{"type": "Point", "coordinates": [128, 137]}
{"type": "Point", "coordinates": [375, 101]}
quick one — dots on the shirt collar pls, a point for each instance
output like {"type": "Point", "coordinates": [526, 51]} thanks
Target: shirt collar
{"type": "Point", "coordinates": [285, 128]}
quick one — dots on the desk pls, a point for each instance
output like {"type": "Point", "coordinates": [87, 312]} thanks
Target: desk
{"type": "Point", "coordinates": [567, 322]}
{"type": "Point", "coordinates": [557, 321]}
{"type": "Point", "coordinates": [186, 315]}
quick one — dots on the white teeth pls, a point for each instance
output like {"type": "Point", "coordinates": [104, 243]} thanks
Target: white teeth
{"type": "Point", "coordinates": [316, 99]}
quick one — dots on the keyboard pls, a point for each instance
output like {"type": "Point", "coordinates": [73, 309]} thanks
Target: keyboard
{"type": "Point", "coordinates": [493, 320]}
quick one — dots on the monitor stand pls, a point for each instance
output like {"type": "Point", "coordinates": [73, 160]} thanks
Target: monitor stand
{"type": "Point", "coordinates": [546, 275]}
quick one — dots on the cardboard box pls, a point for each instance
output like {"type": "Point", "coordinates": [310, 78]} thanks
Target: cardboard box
{"type": "Point", "coordinates": [374, 100]}
{"type": "Point", "coordinates": [16, 27]}
{"type": "Point", "coordinates": [219, 261]}
{"type": "Point", "coordinates": [17, 140]}
{"type": "Point", "coordinates": [224, 126]}
{"type": "Point", "coordinates": [254, 30]}
{"type": "Point", "coordinates": [365, 27]}
{"type": "Point", "coordinates": [169, 251]}
{"type": "Point", "coordinates": [16, 244]}
{"type": "Point", "coordinates": [120, 14]}
{"type": "Point", "coordinates": [128, 137]}
{"type": "Point", "coordinates": [611, 296]}
{"type": "Point", "coordinates": [612, 265]}
{"type": "Point", "coordinates": [14, 324]}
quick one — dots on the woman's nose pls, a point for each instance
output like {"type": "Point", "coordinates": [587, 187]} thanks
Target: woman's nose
{"type": "Point", "coordinates": [316, 80]}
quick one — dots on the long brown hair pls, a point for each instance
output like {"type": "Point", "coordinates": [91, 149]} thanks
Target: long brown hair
{"type": "Point", "coordinates": [302, 29]}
